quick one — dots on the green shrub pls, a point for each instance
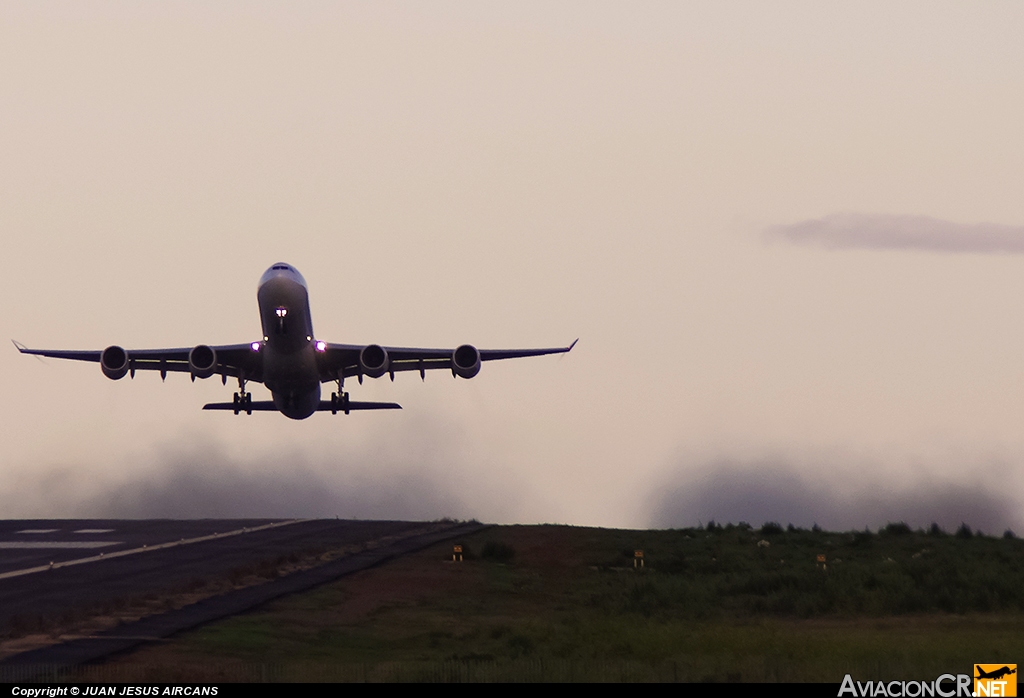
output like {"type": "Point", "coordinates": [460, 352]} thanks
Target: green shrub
{"type": "Point", "coordinates": [897, 529]}
{"type": "Point", "coordinates": [497, 552]}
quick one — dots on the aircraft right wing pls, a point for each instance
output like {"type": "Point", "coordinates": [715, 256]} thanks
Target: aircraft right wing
{"type": "Point", "coordinates": [347, 360]}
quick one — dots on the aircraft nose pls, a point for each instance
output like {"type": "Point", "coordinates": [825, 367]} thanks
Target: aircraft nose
{"type": "Point", "coordinates": [282, 271]}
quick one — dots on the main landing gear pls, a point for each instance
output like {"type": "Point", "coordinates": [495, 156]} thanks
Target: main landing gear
{"type": "Point", "coordinates": [242, 401]}
{"type": "Point", "coordinates": [339, 403]}
{"type": "Point", "coordinates": [339, 400]}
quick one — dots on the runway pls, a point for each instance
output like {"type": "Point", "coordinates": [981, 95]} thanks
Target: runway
{"type": "Point", "coordinates": [152, 558]}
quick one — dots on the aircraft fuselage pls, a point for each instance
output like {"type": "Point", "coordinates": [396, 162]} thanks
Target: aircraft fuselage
{"type": "Point", "coordinates": [290, 369]}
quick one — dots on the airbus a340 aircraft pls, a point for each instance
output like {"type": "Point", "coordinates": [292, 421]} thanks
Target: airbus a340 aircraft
{"type": "Point", "coordinates": [289, 359]}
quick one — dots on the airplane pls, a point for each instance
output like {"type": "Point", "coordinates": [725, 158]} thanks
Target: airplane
{"type": "Point", "coordinates": [994, 674]}
{"type": "Point", "coordinates": [289, 359]}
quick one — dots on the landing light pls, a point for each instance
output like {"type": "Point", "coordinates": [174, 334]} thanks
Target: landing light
{"type": "Point", "coordinates": [321, 345]}
{"type": "Point", "coordinates": [255, 346]}
{"type": "Point", "coordinates": [281, 312]}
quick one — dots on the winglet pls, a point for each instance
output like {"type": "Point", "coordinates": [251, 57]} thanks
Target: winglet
{"type": "Point", "coordinates": [25, 350]}
{"type": "Point", "coordinates": [572, 345]}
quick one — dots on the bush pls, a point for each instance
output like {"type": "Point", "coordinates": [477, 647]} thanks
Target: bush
{"type": "Point", "coordinates": [497, 552]}
{"type": "Point", "coordinates": [861, 538]}
{"type": "Point", "coordinates": [771, 528]}
{"type": "Point", "coordinates": [897, 529]}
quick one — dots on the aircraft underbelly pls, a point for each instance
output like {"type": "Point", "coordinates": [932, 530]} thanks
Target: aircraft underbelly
{"type": "Point", "coordinates": [297, 404]}
{"type": "Point", "coordinates": [293, 379]}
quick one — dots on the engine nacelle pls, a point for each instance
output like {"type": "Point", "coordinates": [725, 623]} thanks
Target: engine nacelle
{"type": "Point", "coordinates": [374, 361]}
{"type": "Point", "coordinates": [114, 362]}
{"type": "Point", "coordinates": [202, 361]}
{"type": "Point", "coordinates": [466, 361]}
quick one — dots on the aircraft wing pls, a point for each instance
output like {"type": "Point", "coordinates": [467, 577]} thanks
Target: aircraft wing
{"type": "Point", "coordinates": [343, 360]}
{"type": "Point", "coordinates": [231, 359]}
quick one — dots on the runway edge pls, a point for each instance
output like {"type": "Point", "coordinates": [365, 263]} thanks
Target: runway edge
{"type": "Point", "coordinates": [156, 627]}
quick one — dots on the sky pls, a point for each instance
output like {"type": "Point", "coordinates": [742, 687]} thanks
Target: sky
{"type": "Point", "coordinates": [789, 236]}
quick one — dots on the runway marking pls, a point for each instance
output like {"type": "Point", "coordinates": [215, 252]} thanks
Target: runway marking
{"type": "Point", "coordinates": [39, 530]}
{"type": "Point", "coordinates": [77, 649]}
{"type": "Point", "coordinates": [95, 530]}
{"type": "Point", "coordinates": [55, 544]}
{"type": "Point", "coordinates": [146, 549]}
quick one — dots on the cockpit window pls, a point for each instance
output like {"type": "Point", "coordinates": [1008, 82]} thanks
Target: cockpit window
{"type": "Point", "coordinates": [282, 269]}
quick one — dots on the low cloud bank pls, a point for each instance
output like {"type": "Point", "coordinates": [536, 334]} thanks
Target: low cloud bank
{"type": "Point", "coordinates": [771, 491]}
{"type": "Point", "coordinates": [202, 481]}
{"type": "Point", "coordinates": [210, 488]}
{"type": "Point", "coordinates": [843, 231]}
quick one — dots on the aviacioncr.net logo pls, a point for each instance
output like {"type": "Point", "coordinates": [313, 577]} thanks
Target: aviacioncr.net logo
{"type": "Point", "coordinates": [945, 686]}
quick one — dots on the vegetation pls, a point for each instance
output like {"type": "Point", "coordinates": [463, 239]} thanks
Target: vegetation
{"type": "Point", "coordinates": [728, 602]}
{"type": "Point", "coordinates": [731, 570]}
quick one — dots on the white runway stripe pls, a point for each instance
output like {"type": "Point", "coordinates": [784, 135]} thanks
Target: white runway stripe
{"type": "Point", "coordinates": [146, 549]}
{"type": "Point", "coordinates": [55, 544]}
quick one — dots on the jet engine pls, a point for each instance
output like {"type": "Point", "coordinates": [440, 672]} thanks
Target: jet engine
{"type": "Point", "coordinates": [373, 360]}
{"type": "Point", "coordinates": [202, 361]}
{"type": "Point", "coordinates": [114, 362]}
{"type": "Point", "coordinates": [466, 361]}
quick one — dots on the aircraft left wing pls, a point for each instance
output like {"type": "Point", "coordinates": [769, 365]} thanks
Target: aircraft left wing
{"type": "Point", "coordinates": [373, 360]}
{"type": "Point", "coordinates": [201, 361]}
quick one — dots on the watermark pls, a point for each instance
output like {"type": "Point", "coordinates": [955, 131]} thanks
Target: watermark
{"type": "Point", "coordinates": [119, 690]}
{"type": "Point", "coordinates": [995, 680]}
{"type": "Point", "coordinates": [945, 686]}
{"type": "Point", "coordinates": [989, 680]}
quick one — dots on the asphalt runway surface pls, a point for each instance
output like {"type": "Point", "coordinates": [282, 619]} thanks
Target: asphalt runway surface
{"type": "Point", "coordinates": [140, 558]}
{"type": "Point", "coordinates": [213, 553]}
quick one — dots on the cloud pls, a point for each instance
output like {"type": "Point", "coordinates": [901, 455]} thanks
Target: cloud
{"type": "Point", "coordinates": [848, 231]}
{"type": "Point", "coordinates": [757, 492]}
{"type": "Point", "coordinates": [422, 477]}
{"type": "Point", "coordinates": [204, 486]}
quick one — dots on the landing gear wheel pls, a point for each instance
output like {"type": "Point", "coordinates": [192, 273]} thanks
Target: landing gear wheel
{"type": "Point", "coordinates": [339, 403]}
{"type": "Point", "coordinates": [242, 402]}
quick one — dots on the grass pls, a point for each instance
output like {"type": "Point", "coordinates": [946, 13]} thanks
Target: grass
{"type": "Point", "coordinates": [564, 603]}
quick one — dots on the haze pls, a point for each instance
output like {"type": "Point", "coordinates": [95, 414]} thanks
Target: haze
{"type": "Point", "coordinates": [662, 180]}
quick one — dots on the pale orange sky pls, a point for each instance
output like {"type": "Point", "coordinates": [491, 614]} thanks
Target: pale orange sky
{"type": "Point", "coordinates": [517, 174]}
